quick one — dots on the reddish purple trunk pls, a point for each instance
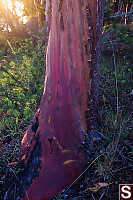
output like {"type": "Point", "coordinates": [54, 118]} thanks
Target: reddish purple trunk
{"type": "Point", "coordinates": [52, 145]}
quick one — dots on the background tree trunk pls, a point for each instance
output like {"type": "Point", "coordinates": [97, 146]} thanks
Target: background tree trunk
{"type": "Point", "coordinates": [52, 151]}
{"type": "Point", "coordinates": [47, 12]}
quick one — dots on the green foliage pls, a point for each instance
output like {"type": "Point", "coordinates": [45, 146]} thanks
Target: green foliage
{"type": "Point", "coordinates": [125, 34]}
{"type": "Point", "coordinates": [116, 79]}
{"type": "Point", "coordinates": [21, 84]}
{"type": "Point", "coordinates": [22, 66]}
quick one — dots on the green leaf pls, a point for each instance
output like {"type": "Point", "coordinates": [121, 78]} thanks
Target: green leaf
{"type": "Point", "coordinates": [16, 113]}
{"type": "Point", "coordinates": [9, 102]}
{"type": "Point", "coordinates": [123, 81]}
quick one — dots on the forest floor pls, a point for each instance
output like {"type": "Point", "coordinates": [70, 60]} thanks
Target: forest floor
{"type": "Point", "coordinates": [113, 165]}
{"type": "Point", "coordinates": [20, 93]}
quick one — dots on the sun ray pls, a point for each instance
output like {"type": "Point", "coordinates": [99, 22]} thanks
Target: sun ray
{"type": "Point", "coordinates": [18, 6]}
{"type": "Point", "coordinates": [7, 4]}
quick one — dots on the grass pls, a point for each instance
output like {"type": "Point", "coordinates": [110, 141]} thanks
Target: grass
{"type": "Point", "coordinates": [21, 85]}
{"type": "Point", "coordinates": [22, 66]}
{"type": "Point", "coordinates": [113, 160]}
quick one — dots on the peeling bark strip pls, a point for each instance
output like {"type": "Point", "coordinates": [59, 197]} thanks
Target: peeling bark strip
{"type": "Point", "coordinates": [61, 123]}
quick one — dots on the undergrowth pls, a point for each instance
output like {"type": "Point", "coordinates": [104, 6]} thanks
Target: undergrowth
{"type": "Point", "coordinates": [113, 150]}
{"type": "Point", "coordinates": [22, 67]}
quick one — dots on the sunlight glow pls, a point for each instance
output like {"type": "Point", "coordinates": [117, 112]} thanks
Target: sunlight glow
{"type": "Point", "coordinates": [18, 9]}
{"type": "Point", "coordinates": [8, 4]}
{"type": "Point", "coordinates": [18, 6]}
{"type": "Point", "coordinates": [25, 19]}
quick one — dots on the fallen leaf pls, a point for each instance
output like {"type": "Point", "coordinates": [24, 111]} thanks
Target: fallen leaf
{"type": "Point", "coordinates": [97, 186]}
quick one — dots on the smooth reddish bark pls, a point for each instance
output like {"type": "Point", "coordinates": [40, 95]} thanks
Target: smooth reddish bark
{"type": "Point", "coordinates": [52, 146]}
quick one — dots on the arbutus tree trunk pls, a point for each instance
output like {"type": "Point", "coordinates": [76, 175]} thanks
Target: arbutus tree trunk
{"type": "Point", "coordinates": [52, 148]}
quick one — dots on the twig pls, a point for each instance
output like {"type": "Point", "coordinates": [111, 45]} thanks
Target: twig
{"type": "Point", "coordinates": [116, 80]}
{"type": "Point", "coordinates": [14, 78]}
{"type": "Point", "coordinates": [124, 157]}
{"type": "Point", "coordinates": [117, 104]}
{"type": "Point", "coordinates": [123, 168]}
{"type": "Point", "coordinates": [102, 195]}
{"type": "Point", "coordinates": [11, 46]}
{"type": "Point", "coordinates": [93, 196]}
{"type": "Point", "coordinates": [83, 172]}
{"type": "Point", "coordinates": [124, 13]}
